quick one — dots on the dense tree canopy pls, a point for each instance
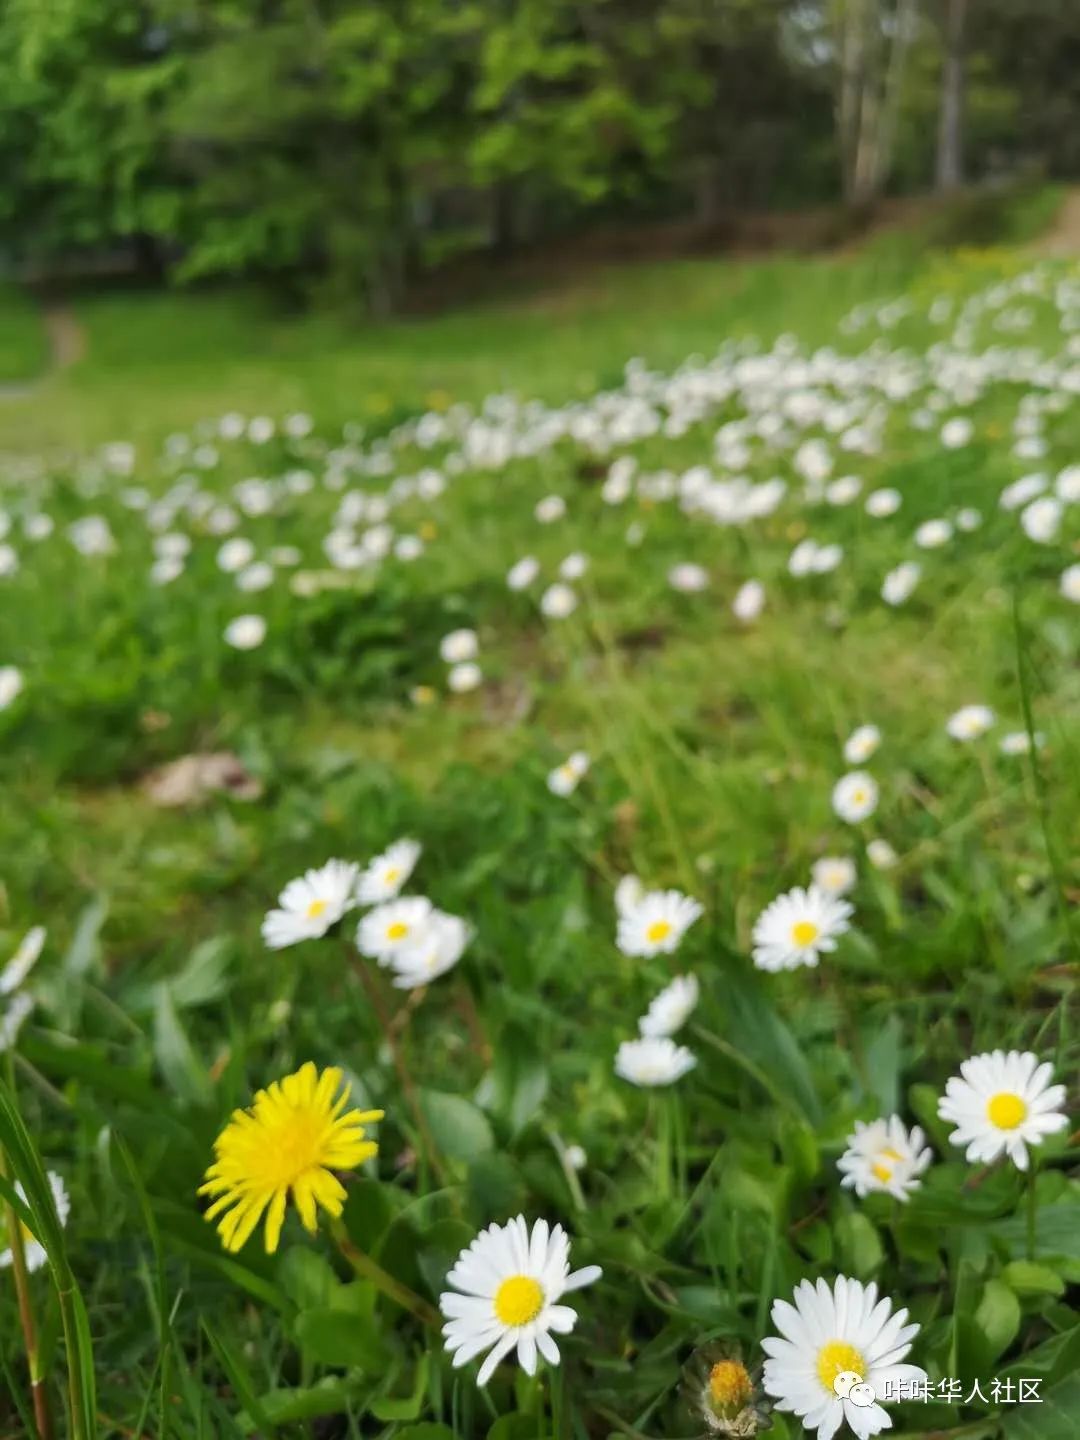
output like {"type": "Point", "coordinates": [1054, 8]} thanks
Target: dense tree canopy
{"type": "Point", "coordinates": [352, 143]}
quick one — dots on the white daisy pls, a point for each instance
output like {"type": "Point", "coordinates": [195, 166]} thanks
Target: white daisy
{"type": "Point", "coordinates": [629, 893]}
{"type": "Point", "coordinates": [1069, 584]}
{"type": "Point", "coordinates": [33, 1252]}
{"type": "Point", "coordinates": [550, 509]}
{"type": "Point", "coordinates": [506, 1290]}
{"type": "Point", "coordinates": [656, 923]}
{"type": "Point", "coordinates": [523, 572]}
{"type": "Point", "coordinates": [688, 578]}
{"type": "Point", "coordinates": [387, 873]}
{"type": "Point", "coordinates": [23, 961]}
{"type": "Point", "coordinates": [835, 874]}
{"type": "Point", "coordinates": [458, 646]}
{"type": "Point", "coordinates": [1018, 742]}
{"type": "Point", "coordinates": [900, 582]}
{"type": "Point", "coordinates": [749, 601]}
{"type": "Point", "coordinates": [881, 503]}
{"type": "Point", "coordinates": [437, 947]}
{"type": "Point", "coordinates": [235, 554]}
{"type": "Point", "coordinates": [861, 744]}
{"type": "Point", "coordinates": [881, 854]}
{"type": "Point", "coordinates": [670, 1010]}
{"type": "Point", "coordinates": [573, 566]}
{"type": "Point", "coordinates": [11, 684]}
{"type": "Point", "coordinates": [970, 721]}
{"type": "Point", "coordinates": [855, 796]}
{"type": "Point", "coordinates": [884, 1156]}
{"type": "Point", "coordinates": [832, 1333]}
{"type": "Point", "coordinates": [653, 1060]}
{"type": "Point", "coordinates": [1002, 1103]}
{"type": "Point", "coordinates": [393, 927]}
{"type": "Point", "coordinates": [463, 678]}
{"type": "Point", "coordinates": [565, 778]}
{"type": "Point", "coordinates": [558, 601]}
{"type": "Point", "coordinates": [932, 534]}
{"type": "Point", "coordinates": [798, 928]}
{"type": "Point", "coordinates": [311, 904]}
{"type": "Point", "coordinates": [246, 632]}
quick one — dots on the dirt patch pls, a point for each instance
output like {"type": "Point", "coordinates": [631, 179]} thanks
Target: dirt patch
{"type": "Point", "coordinates": [1063, 237]}
{"type": "Point", "coordinates": [67, 338]}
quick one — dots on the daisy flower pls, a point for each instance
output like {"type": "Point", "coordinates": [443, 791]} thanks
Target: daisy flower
{"type": "Point", "coordinates": [1018, 742]}
{"type": "Point", "coordinates": [855, 796]}
{"type": "Point", "coordinates": [458, 646]}
{"type": "Point", "coordinates": [798, 928]}
{"type": "Point", "coordinates": [688, 577]}
{"type": "Point", "coordinates": [723, 1393]}
{"type": "Point", "coordinates": [861, 744]}
{"type": "Point", "coordinates": [970, 721]}
{"type": "Point", "coordinates": [558, 601]}
{"type": "Point", "coordinates": [828, 1335]}
{"type": "Point", "coordinates": [884, 1156]}
{"type": "Point", "coordinates": [670, 1010]}
{"type": "Point", "coordinates": [393, 927]}
{"type": "Point", "coordinates": [881, 854]}
{"type": "Point", "coordinates": [900, 582]}
{"type": "Point", "coordinates": [1002, 1103]}
{"type": "Point", "coordinates": [523, 572]}
{"type": "Point", "coordinates": [835, 874]}
{"type": "Point", "coordinates": [653, 1060]}
{"type": "Point", "coordinates": [749, 601]}
{"type": "Point", "coordinates": [295, 1135]}
{"type": "Point", "coordinates": [311, 904]}
{"type": "Point", "coordinates": [246, 632]}
{"type": "Point", "coordinates": [655, 923]}
{"type": "Point", "coordinates": [1069, 584]}
{"type": "Point", "coordinates": [464, 677]}
{"type": "Point", "coordinates": [507, 1286]}
{"type": "Point", "coordinates": [387, 873]}
{"type": "Point", "coordinates": [565, 778]}
{"type": "Point", "coordinates": [629, 893]}
{"type": "Point", "coordinates": [438, 948]}
{"type": "Point", "coordinates": [11, 684]}
{"type": "Point", "coordinates": [34, 1252]}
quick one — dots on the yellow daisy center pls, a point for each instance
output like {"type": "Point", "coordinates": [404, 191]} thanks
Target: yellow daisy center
{"type": "Point", "coordinates": [805, 932]}
{"type": "Point", "coordinates": [834, 1358]}
{"type": "Point", "coordinates": [316, 908]}
{"type": "Point", "coordinates": [397, 930]}
{"type": "Point", "coordinates": [518, 1300]}
{"type": "Point", "coordinates": [730, 1386]}
{"type": "Point", "coordinates": [392, 875]}
{"type": "Point", "coordinates": [882, 1169]}
{"type": "Point", "coordinates": [657, 931]}
{"type": "Point", "coordinates": [1006, 1110]}
{"type": "Point", "coordinates": [858, 797]}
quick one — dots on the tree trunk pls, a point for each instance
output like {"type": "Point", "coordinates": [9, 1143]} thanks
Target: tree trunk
{"type": "Point", "coordinates": [950, 167]}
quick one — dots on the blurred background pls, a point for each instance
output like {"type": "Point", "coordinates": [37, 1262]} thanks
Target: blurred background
{"type": "Point", "coordinates": [366, 159]}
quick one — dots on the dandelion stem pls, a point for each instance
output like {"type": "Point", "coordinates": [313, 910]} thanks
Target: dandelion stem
{"type": "Point", "coordinates": [369, 1269]}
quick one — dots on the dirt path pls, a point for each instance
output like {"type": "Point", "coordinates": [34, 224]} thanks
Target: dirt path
{"type": "Point", "coordinates": [1063, 237]}
{"type": "Point", "coordinates": [67, 346]}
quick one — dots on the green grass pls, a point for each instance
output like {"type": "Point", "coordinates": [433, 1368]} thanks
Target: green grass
{"type": "Point", "coordinates": [714, 750]}
{"type": "Point", "coordinates": [23, 349]}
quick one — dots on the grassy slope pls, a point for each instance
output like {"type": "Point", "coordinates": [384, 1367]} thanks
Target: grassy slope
{"type": "Point", "coordinates": [715, 750]}
{"type": "Point", "coordinates": [23, 349]}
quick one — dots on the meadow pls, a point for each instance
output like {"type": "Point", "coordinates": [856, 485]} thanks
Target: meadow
{"type": "Point", "coordinates": [710, 627]}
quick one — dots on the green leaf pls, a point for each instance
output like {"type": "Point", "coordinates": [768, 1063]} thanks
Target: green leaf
{"type": "Point", "coordinates": [1054, 1418]}
{"type": "Point", "coordinates": [882, 1056]}
{"type": "Point", "coordinates": [1027, 1278]}
{"type": "Point", "coordinates": [461, 1131]}
{"type": "Point", "coordinates": [283, 1407]}
{"type": "Point", "coordinates": [860, 1249]}
{"type": "Point", "coordinates": [517, 1084]}
{"type": "Point", "coordinates": [427, 1431]}
{"type": "Point", "coordinates": [407, 1407]}
{"type": "Point", "coordinates": [307, 1277]}
{"type": "Point", "coordinates": [333, 1337]}
{"type": "Point", "coordinates": [1057, 1230]}
{"type": "Point", "coordinates": [998, 1317]}
{"type": "Point", "coordinates": [182, 1070]}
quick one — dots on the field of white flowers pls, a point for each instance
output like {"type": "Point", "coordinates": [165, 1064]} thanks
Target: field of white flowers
{"type": "Point", "coordinates": [557, 920]}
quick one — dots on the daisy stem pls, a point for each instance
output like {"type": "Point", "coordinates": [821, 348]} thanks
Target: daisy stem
{"type": "Point", "coordinates": [21, 1276]}
{"type": "Point", "coordinates": [408, 1085]}
{"type": "Point", "coordinates": [1032, 1211]}
{"type": "Point", "coordinates": [369, 1269]}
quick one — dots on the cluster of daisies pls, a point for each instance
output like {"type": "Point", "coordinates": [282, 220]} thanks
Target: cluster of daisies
{"type": "Point", "coordinates": [405, 934]}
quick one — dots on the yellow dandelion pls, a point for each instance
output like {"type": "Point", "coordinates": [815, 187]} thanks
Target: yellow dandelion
{"type": "Point", "coordinates": [292, 1138]}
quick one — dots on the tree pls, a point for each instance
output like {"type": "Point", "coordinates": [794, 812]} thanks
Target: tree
{"type": "Point", "coordinates": [950, 168]}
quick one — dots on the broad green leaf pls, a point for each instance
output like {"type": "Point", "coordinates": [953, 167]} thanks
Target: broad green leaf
{"type": "Point", "coordinates": [459, 1129]}
{"type": "Point", "coordinates": [998, 1317]}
